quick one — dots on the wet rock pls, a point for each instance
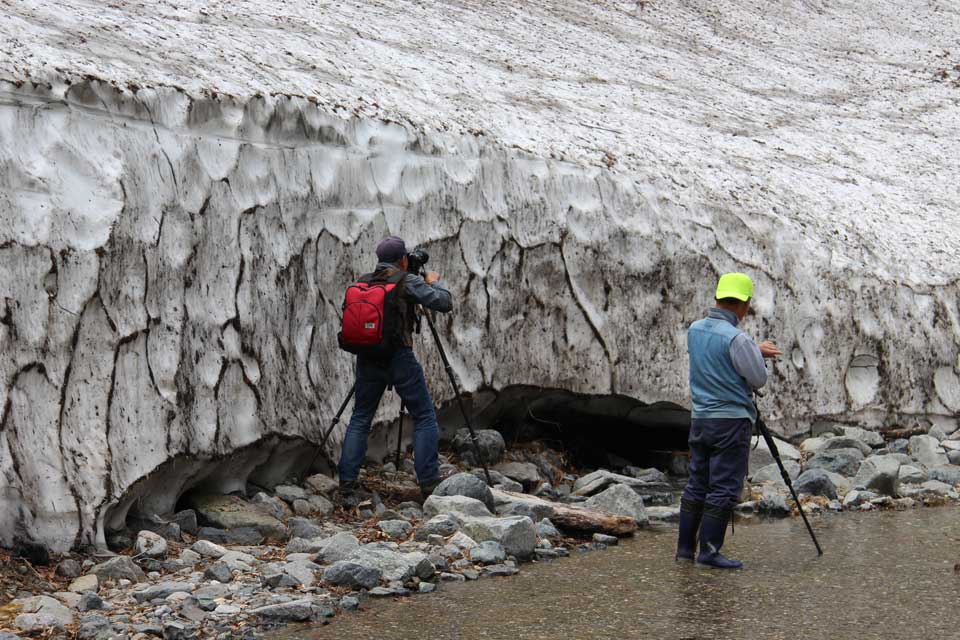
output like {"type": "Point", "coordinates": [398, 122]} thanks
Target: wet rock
{"type": "Point", "coordinates": [337, 547]}
{"type": "Point", "coordinates": [452, 577]}
{"type": "Point", "coordinates": [815, 482]}
{"type": "Point", "coordinates": [150, 544]}
{"type": "Point", "coordinates": [426, 587]}
{"type": "Point", "coordinates": [939, 488]}
{"type": "Point", "coordinates": [549, 554]}
{"type": "Point", "coordinates": [597, 481]}
{"type": "Point", "coordinates": [161, 590]}
{"type": "Point", "coordinates": [517, 534]}
{"type": "Point", "coordinates": [846, 462]}
{"type": "Point", "coordinates": [847, 442]}
{"type": "Point", "coordinates": [303, 610]}
{"type": "Point", "coordinates": [208, 549]}
{"type": "Point", "coordinates": [489, 441]}
{"type": "Point", "coordinates": [773, 503]}
{"type": "Point", "coordinates": [466, 484]}
{"type": "Point", "coordinates": [880, 474]}
{"type": "Point", "coordinates": [345, 573]}
{"type": "Point", "coordinates": [69, 568]}
{"type": "Point", "coordinates": [525, 473]}
{"type": "Point", "coordinates": [601, 538]}
{"type": "Point", "coordinates": [397, 590]}
{"type": "Point", "coordinates": [41, 613]}
{"type": "Point", "coordinates": [90, 602]}
{"type": "Point", "coordinates": [771, 473]}
{"type": "Point", "coordinates": [89, 582]}
{"type": "Point", "coordinates": [232, 512]}
{"type": "Point", "coordinates": [456, 505]}
{"type": "Point", "coordinates": [321, 484]}
{"type": "Point", "coordinates": [117, 568]}
{"type": "Point", "coordinates": [946, 473]}
{"type": "Point", "coordinates": [927, 451]}
{"type": "Point", "coordinates": [271, 505]}
{"type": "Point", "coordinates": [620, 500]}
{"type": "Point", "coordinates": [500, 570]}
{"type": "Point", "coordinates": [663, 514]}
{"type": "Point", "coordinates": [349, 603]}
{"type": "Point", "coordinates": [218, 571]}
{"type": "Point", "coordinates": [488, 552]}
{"type": "Point", "coordinates": [395, 528]}
{"type": "Point", "coordinates": [856, 498]}
{"type": "Point", "coordinates": [760, 455]}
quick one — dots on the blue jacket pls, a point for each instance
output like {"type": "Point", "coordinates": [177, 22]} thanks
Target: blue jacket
{"type": "Point", "coordinates": [725, 367]}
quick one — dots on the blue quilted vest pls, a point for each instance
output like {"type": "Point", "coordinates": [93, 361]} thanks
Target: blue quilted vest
{"type": "Point", "coordinates": [718, 390]}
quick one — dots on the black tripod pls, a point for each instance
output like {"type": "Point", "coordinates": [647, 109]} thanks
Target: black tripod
{"type": "Point", "coordinates": [456, 391]}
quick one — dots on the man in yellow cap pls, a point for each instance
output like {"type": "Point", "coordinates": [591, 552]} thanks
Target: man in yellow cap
{"type": "Point", "coordinates": [726, 366]}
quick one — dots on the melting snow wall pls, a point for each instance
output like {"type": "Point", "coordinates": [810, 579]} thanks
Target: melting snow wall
{"type": "Point", "coordinates": [171, 272]}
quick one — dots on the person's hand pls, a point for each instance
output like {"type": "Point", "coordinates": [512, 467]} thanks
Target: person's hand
{"type": "Point", "coordinates": [431, 276]}
{"type": "Point", "coordinates": [769, 350]}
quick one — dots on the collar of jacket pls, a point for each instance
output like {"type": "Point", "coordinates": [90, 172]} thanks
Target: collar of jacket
{"type": "Point", "coordinates": [723, 314]}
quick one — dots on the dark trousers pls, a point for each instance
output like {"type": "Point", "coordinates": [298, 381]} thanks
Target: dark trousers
{"type": "Point", "coordinates": [719, 456]}
{"type": "Point", "coordinates": [406, 375]}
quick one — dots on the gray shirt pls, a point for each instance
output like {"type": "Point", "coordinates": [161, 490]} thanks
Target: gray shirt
{"type": "Point", "coordinates": [434, 296]}
{"type": "Point", "coordinates": [745, 354]}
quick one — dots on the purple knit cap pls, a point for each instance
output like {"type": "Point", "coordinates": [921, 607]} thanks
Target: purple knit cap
{"type": "Point", "coordinates": [391, 249]}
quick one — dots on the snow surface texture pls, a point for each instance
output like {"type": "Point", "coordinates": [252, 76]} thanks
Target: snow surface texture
{"type": "Point", "coordinates": [172, 260]}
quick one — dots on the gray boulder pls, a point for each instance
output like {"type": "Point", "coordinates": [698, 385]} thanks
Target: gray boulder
{"type": "Point", "coordinates": [288, 492]}
{"type": "Point", "coordinates": [927, 451]}
{"type": "Point", "coordinates": [457, 505]}
{"type": "Point", "coordinates": [600, 479]}
{"type": "Point", "coordinates": [218, 571]}
{"type": "Point", "coordinates": [815, 482]}
{"type": "Point", "coordinates": [846, 462]}
{"type": "Point", "coordinates": [489, 441]}
{"type": "Point", "coordinates": [41, 613]}
{"type": "Point", "coordinates": [119, 568]}
{"type": "Point", "coordinates": [303, 610]}
{"type": "Point", "coordinates": [517, 534]}
{"type": "Point", "coordinates": [321, 484]}
{"type": "Point", "coordinates": [466, 484]}
{"type": "Point", "coordinates": [69, 568]}
{"type": "Point", "coordinates": [337, 547]}
{"type": "Point", "coordinates": [526, 473]}
{"type": "Point", "coordinates": [208, 549]}
{"type": "Point", "coordinates": [946, 473]}
{"type": "Point", "coordinates": [773, 503]}
{"type": "Point", "coordinates": [880, 474]}
{"type": "Point", "coordinates": [869, 438]}
{"type": "Point", "coordinates": [345, 573]}
{"type": "Point", "coordinates": [771, 473]}
{"type": "Point", "coordinates": [760, 455]}
{"type": "Point", "coordinates": [910, 474]}
{"type": "Point", "coordinates": [900, 445]}
{"type": "Point", "coordinates": [304, 528]}
{"type": "Point", "coordinates": [620, 500]}
{"type": "Point", "coordinates": [395, 528]}
{"type": "Point", "coordinates": [89, 582]}
{"type": "Point", "coordinates": [522, 505]}
{"type": "Point", "coordinates": [392, 564]}
{"type": "Point", "coordinates": [499, 480]}
{"type": "Point", "coordinates": [271, 505]}
{"type": "Point", "coordinates": [546, 529]}
{"type": "Point", "coordinates": [232, 512]}
{"type": "Point", "coordinates": [847, 442]}
{"type": "Point", "coordinates": [442, 524]}
{"type": "Point", "coordinates": [813, 445]}
{"type": "Point", "coordinates": [488, 552]}
{"type": "Point", "coordinates": [150, 544]}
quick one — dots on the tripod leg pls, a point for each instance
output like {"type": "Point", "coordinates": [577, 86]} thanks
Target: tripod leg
{"type": "Point", "coordinates": [333, 423]}
{"type": "Point", "coordinates": [456, 391]}
{"type": "Point", "coordinates": [399, 435]}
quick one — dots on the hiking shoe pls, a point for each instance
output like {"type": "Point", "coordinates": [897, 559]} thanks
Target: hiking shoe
{"type": "Point", "coordinates": [350, 493]}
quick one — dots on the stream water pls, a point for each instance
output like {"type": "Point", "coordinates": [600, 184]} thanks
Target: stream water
{"type": "Point", "coordinates": [885, 575]}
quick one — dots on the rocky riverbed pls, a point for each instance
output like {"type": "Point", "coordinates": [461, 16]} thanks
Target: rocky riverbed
{"type": "Point", "coordinates": [230, 566]}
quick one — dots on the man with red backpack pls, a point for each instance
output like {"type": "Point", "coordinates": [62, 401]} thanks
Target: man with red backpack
{"type": "Point", "coordinates": [378, 325]}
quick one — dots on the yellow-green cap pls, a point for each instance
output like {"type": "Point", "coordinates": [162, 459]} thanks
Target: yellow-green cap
{"type": "Point", "coordinates": [735, 285]}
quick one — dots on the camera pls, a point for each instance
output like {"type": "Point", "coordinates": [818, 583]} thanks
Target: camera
{"type": "Point", "coordinates": [416, 259]}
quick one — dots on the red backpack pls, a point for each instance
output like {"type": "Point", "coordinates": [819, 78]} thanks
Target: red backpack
{"type": "Point", "coordinates": [372, 324]}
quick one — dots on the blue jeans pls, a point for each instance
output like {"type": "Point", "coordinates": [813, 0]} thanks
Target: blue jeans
{"type": "Point", "coordinates": [406, 375]}
{"type": "Point", "coordinates": [719, 457]}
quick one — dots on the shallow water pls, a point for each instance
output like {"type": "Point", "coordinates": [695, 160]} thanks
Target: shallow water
{"type": "Point", "coordinates": [886, 575]}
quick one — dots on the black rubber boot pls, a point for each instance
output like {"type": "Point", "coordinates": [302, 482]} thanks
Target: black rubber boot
{"type": "Point", "coordinates": [351, 493]}
{"type": "Point", "coordinates": [712, 531]}
{"type": "Point", "coordinates": [690, 515]}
